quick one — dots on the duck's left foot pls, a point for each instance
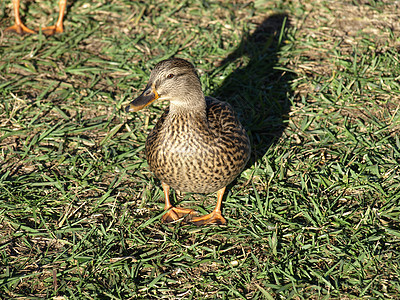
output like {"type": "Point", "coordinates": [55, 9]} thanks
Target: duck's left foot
{"type": "Point", "coordinates": [177, 213]}
{"type": "Point", "coordinates": [213, 218]}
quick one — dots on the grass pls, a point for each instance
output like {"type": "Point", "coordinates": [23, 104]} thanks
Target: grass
{"type": "Point", "coordinates": [316, 213]}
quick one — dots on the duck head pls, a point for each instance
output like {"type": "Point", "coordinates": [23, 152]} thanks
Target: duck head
{"type": "Point", "coordinates": [174, 80]}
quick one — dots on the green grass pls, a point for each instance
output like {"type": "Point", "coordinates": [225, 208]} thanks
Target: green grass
{"type": "Point", "coordinates": [316, 213]}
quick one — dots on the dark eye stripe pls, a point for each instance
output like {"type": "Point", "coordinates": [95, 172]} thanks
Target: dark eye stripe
{"type": "Point", "coordinates": [175, 75]}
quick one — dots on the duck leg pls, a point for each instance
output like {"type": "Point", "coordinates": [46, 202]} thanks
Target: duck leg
{"type": "Point", "coordinates": [58, 28]}
{"type": "Point", "coordinates": [18, 27]}
{"type": "Point", "coordinates": [215, 217]}
{"type": "Point", "coordinates": [174, 213]}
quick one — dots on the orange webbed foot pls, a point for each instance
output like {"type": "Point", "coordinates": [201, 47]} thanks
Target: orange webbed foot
{"type": "Point", "coordinates": [51, 30]}
{"type": "Point", "coordinates": [177, 213]}
{"type": "Point", "coordinates": [21, 29]}
{"type": "Point", "coordinates": [214, 218]}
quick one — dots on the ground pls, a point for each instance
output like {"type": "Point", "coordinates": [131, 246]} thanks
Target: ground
{"type": "Point", "coordinates": [314, 215]}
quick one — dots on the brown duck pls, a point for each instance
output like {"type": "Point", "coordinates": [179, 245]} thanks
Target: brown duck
{"type": "Point", "coordinates": [20, 28]}
{"type": "Point", "coordinates": [198, 145]}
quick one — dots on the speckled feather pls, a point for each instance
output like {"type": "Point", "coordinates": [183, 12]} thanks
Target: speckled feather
{"type": "Point", "coordinates": [197, 152]}
{"type": "Point", "coordinates": [198, 145]}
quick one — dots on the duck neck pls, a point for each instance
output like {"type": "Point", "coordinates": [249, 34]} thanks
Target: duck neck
{"type": "Point", "coordinates": [191, 103]}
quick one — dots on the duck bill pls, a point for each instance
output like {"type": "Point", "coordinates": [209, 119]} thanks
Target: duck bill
{"type": "Point", "coordinates": [146, 98]}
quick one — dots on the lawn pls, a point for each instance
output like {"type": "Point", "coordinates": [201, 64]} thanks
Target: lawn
{"type": "Point", "coordinates": [314, 215]}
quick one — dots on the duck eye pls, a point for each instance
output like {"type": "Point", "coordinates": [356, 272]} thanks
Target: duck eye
{"type": "Point", "coordinates": [170, 76]}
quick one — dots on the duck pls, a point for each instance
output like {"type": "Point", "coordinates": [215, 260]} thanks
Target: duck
{"type": "Point", "coordinates": [20, 28]}
{"type": "Point", "coordinates": [198, 145]}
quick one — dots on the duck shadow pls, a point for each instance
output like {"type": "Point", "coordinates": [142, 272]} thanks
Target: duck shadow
{"type": "Point", "coordinates": [259, 91]}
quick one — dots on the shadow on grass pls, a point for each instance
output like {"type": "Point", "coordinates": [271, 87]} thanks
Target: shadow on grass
{"type": "Point", "coordinates": [259, 91]}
